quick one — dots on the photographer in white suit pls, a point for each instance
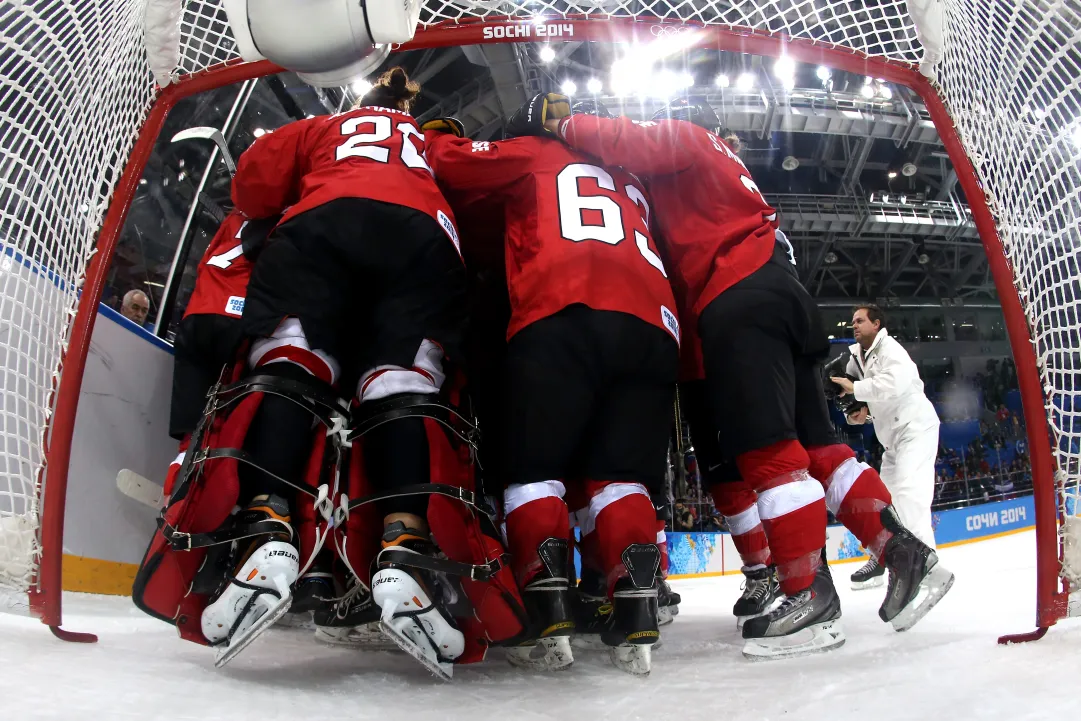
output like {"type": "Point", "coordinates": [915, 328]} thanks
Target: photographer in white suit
{"type": "Point", "coordinates": [905, 422]}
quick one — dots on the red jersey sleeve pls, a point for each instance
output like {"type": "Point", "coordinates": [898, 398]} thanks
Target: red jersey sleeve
{"type": "Point", "coordinates": [477, 167]}
{"type": "Point", "coordinates": [267, 179]}
{"type": "Point", "coordinates": [640, 147]}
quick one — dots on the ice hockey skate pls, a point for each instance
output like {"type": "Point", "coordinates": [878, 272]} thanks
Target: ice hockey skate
{"type": "Point", "coordinates": [259, 593]}
{"type": "Point", "coordinates": [352, 621]}
{"type": "Point", "coordinates": [667, 603]}
{"type": "Point", "coordinates": [411, 615]}
{"type": "Point", "coordinates": [760, 591]}
{"type": "Point", "coordinates": [870, 575]}
{"type": "Point", "coordinates": [547, 602]}
{"type": "Point", "coordinates": [917, 581]}
{"type": "Point", "coordinates": [805, 623]}
{"type": "Point", "coordinates": [632, 632]}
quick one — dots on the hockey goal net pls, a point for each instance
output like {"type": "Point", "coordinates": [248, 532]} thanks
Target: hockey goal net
{"type": "Point", "coordinates": [80, 111]}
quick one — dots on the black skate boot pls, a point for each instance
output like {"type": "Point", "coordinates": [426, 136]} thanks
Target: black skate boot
{"type": "Point", "coordinates": [917, 580]}
{"type": "Point", "coordinates": [667, 603]}
{"type": "Point", "coordinates": [632, 631]}
{"type": "Point", "coordinates": [352, 620]}
{"type": "Point", "coordinates": [591, 609]}
{"type": "Point", "coordinates": [870, 575]}
{"type": "Point", "coordinates": [316, 589]}
{"type": "Point", "coordinates": [760, 590]}
{"type": "Point", "coordinates": [548, 605]}
{"type": "Point", "coordinates": [806, 622]}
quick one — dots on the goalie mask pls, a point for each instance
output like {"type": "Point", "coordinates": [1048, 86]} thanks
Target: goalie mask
{"type": "Point", "coordinates": [327, 43]}
{"type": "Point", "coordinates": [696, 111]}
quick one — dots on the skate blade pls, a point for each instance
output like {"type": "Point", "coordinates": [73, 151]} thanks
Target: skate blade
{"type": "Point", "coordinates": [740, 620]}
{"type": "Point", "coordinates": [593, 642]}
{"type": "Point", "coordinates": [443, 671]}
{"type": "Point", "coordinates": [368, 637]}
{"type": "Point", "coordinates": [875, 582]}
{"type": "Point", "coordinates": [547, 654]}
{"type": "Point", "coordinates": [818, 638]}
{"type": "Point", "coordinates": [667, 614]}
{"type": "Point", "coordinates": [933, 587]}
{"type": "Point", "coordinates": [242, 640]}
{"type": "Point", "coordinates": [295, 619]}
{"type": "Point", "coordinates": [633, 659]}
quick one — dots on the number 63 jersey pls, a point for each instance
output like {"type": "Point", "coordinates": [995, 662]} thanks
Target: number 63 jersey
{"type": "Point", "coordinates": [368, 152]}
{"type": "Point", "coordinates": [575, 232]}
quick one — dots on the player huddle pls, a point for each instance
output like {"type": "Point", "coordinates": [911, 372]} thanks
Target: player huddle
{"type": "Point", "coordinates": [380, 285]}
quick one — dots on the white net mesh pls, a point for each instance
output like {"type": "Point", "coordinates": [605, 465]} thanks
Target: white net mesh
{"type": "Point", "coordinates": [75, 88]}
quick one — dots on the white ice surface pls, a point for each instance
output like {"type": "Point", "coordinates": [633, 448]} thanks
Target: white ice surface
{"type": "Point", "coordinates": [948, 667]}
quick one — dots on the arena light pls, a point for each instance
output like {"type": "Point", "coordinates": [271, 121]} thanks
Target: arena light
{"type": "Point", "coordinates": [722, 81]}
{"type": "Point", "coordinates": [745, 81]}
{"type": "Point", "coordinates": [684, 80]}
{"type": "Point", "coordinates": [361, 86]}
{"type": "Point", "coordinates": [547, 55]}
{"type": "Point", "coordinates": [258, 132]}
{"type": "Point", "coordinates": [1076, 135]}
{"type": "Point", "coordinates": [593, 86]}
{"type": "Point", "coordinates": [568, 87]}
{"type": "Point", "coordinates": [892, 174]}
{"type": "Point", "coordinates": [823, 73]}
{"type": "Point", "coordinates": [785, 71]}
{"type": "Point", "coordinates": [885, 91]}
{"type": "Point", "coordinates": [867, 91]}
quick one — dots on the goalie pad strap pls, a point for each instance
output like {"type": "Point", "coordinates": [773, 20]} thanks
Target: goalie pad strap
{"type": "Point", "coordinates": [245, 457]}
{"type": "Point", "coordinates": [313, 396]}
{"type": "Point", "coordinates": [180, 541]}
{"type": "Point", "coordinates": [475, 572]}
{"type": "Point", "coordinates": [414, 405]}
{"type": "Point", "coordinates": [458, 493]}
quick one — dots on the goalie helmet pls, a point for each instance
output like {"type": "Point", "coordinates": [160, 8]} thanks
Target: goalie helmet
{"type": "Point", "coordinates": [591, 107]}
{"type": "Point", "coordinates": [327, 43]}
{"type": "Point", "coordinates": [696, 111]}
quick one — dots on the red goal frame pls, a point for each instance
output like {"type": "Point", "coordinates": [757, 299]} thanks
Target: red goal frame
{"type": "Point", "coordinates": [1051, 597]}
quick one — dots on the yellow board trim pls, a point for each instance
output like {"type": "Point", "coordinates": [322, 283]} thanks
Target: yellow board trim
{"type": "Point", "coordinates": [92, 575]}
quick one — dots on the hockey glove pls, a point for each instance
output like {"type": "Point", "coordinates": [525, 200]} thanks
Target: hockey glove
{"type": "Point", "coordinates": [445, 125]}
{"type": "Point", "coordinates": [530, 118]}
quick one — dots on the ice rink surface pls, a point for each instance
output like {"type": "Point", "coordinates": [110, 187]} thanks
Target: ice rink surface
{"type": "Point", "coordinates": [948, 667]}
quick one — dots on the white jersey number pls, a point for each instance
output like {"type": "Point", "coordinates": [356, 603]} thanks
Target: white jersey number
{"type": "Point", "coordinates": [610, 230]}
{"type": "Point", "coordinates": [359, 145]}
{"type": "Point", "coordinates": [224, 260]}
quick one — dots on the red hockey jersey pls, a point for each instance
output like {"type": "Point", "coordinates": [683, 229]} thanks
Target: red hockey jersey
{"type": "Point", "coordinates": [370, 152]}
{"type": "Point", "coordinates": [221, 279]}
{"type": "Point", "coordinates": [575, 232]}
{"type": "Point", "coordinates": [715, 226]}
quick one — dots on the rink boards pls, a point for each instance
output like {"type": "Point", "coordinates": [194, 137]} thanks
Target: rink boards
{"type": "Point", "coordinates": [694, 555]}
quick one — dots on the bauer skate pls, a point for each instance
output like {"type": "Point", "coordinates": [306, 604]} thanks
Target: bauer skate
{"type": "Point", "coordinates": [917, 580]}
{"type": "Point", "coordinates": [806, 622]}
{"type": "Point", "coordinates": [760, 591]}
{"type": "Point", "coordinates": [548, 606]}
{"type": "Point", "coordinates": [870, 575]}
{"type": "Point", "coordinates": [411, 610]}
{"type": "Point", "coordinates": [632, 632]}
{"type": "Point", "coordinates": [258, 594]}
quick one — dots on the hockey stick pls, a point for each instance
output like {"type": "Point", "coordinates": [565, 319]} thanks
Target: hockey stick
{"type": "Point", "coordinates": [215, 136]}
{"type": "Point", "coordinates": [140, 489]}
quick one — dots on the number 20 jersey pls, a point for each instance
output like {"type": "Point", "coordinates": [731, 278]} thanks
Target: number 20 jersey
{"type": "Point", "coordinates": [575, 232]}
{"type": "Point", "coordinates": [369, 152]}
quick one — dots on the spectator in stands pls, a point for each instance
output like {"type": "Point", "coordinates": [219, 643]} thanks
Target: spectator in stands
{"type": "Point", "coordinates": [135, 307]}
{"type": "Point", "coordinates": [683, 519]}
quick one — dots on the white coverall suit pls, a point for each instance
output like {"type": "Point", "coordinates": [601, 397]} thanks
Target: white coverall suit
{"type": "Point", "coordinates": [906, 425]}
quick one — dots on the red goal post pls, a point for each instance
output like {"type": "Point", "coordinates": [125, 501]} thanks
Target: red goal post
{"type": "Point", "coordinates": [993, 93]}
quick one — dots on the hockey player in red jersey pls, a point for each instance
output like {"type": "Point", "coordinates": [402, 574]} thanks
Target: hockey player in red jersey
{"type": "Point", "coordinates": [360, 280]}
{"type": "Point", "coordinates": [761, 341]}
{"type": "Point", "coordinates": [591, 368]}
{"type": "Point", "coordinates": [209, 335]}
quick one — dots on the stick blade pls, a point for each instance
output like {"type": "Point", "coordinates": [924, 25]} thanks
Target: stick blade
{"type": "Point", "coordinates": [196, 133]}
{"type": "Point", "coordinates": [140, 489]}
